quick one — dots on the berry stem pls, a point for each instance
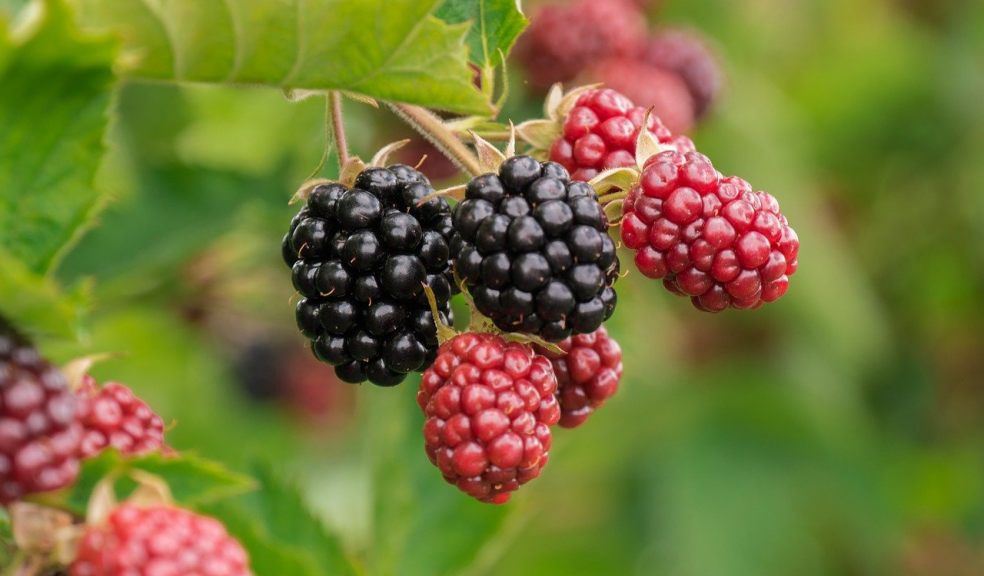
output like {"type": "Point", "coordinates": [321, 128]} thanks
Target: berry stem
{"type": "Point", "coordinates": [430, 126]}
{"type": "Point", "coordinates": [338, 126]}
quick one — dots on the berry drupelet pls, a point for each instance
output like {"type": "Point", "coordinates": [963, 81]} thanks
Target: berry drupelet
{"type": "Point", "coordinates": [158, 540]}
{"type": "Point", "coordinates": [708, 237]}
{"type": "Point", "coordinates": [489, 406]}
{"type": "Point", "coordinates": [361, 256]}
{"type": "Point", "coordinates": [600, 132]}
{"type": "Point", "coordinates": [588, 372]}
{"type": "Point", "coordinates": [533, 249]}
{"type": "Point", "coordinates": [39, 429]}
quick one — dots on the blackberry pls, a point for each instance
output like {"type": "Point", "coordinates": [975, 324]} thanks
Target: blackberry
{"type": "Point", "coordinates": [709, 237]}
{"type": "Point", "coordinates": [158, 540]}
{"type": "Point", "coordinates": [564, 39]}
{"type": "Point", "coordinates": [648, 87]}
{"type": "Point", "coordinates": [360, 256]}
{"type": "Point", "coordinates": [588, 372]}
{"type": "Point", "coordinates": [39, 428]}
{"type": "Point", "coordinates": [533, 249]}
{"type": "Point", "coordinates": [689, 55]}
{"type": "Point", "coordinates": [600, 132]}
{"type": "Point", "coordinates": [489, 406]}
{"type": "Point", "coordinates": [114, 416]}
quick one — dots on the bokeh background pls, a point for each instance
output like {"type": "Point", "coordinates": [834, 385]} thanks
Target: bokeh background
{"type": "Point", "coordinates": [839, 431]}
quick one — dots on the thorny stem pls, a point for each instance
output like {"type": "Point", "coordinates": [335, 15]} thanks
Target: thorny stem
{"type": "Point", "coordinates": [338, 126]}
{"type": "Point", "coordinates": [431, 127]}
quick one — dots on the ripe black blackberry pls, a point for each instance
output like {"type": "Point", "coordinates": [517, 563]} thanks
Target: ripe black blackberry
{"type": "Point", "coordinates": [534, 251]}
{"type": "Point", "coordinates": [361, 256]}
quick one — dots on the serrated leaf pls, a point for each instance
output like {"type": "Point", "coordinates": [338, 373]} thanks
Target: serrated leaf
{"type": "Point", "coordinates": [393, 50]}
{"type": "Point", "coordinates": [35, 304]}
{"type": "Point", "coordinates": [495, 25]}
{"type": "Point", "coordinates": [193, 480]}
{"type": "Point", "coordinates": [53, 114]}
{"type": "Point", "coordinates": [277, 528]}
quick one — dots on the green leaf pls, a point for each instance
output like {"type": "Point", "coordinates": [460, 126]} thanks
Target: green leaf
{"type": "Point", "coordinates": [193, 480]}
{"type": "Point", "coordinates": [387, 49]}
{"type": "Point", "coordinates": [495, 26]}
{"type": "Point", "coordinates": [56, 92]}
{"type": "Point", "coordinates": [35, 304]}
{"type": "Point", "coordinates": [418, 518]}
{"type": "Point", "coordinates": [280, 532]}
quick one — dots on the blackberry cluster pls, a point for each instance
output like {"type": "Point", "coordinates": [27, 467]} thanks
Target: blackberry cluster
{"type": "Point", "coordinates": [158, 540]}
{"type": "Point", "coordinates": [489, 406]}
{"type": "Point", "coordinates": [114, 416]}
{"type": "Point", "coordinates": [708, 237]}
{"type": "Point", "coordinates": [39, 430]}
{"type": "Point", "coordinates": [533, 249]}
{"type": "Point", "coordinates": [361, 256]}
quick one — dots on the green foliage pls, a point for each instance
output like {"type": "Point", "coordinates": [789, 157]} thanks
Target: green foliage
{"type": "Point", "coordinates": [418, 520]}
{"type": "Point", "coordinates": [280, 532]}
{"type": "Point", "coordinates": [193, 480]}
{"type": "Point", "coordinates": [53, 113]}
{"type": "Point", "coordinates": [495, 25]}
{"type": "Point", "coordinates": [387, 49]}
{"type": "Point", "coordinates": [36, 304]}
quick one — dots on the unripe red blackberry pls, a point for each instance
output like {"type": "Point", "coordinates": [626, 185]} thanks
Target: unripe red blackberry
{"type": "Point", "coordinates": [533, 249]}
{"type": "Point", "coordinates": [648, 87]}
{"type": "Point", "coordinates": [39, 430]}
{"type": "Point", "coordinates": [114, 416]}
{"type": "Point", "coordinates": [689, 55]}
{"type": "Point", "coordinates": [600, 133]}
{"type": "Point", "coordinates": [708, 237]}
{"type": "Point", "coordinates": [588, 373]}
{"type": "Point", "coordinates": [489, 406]}
{"type": "Point", "coordinates": [158, 541]}
{"type": "Point", "coordinates": [361, 256]}
{"type": "Point", "coordinates": [563, 40]}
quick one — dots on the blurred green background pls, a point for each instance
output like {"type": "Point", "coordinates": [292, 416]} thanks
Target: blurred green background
{"type": "Point", "coordinates": [836, 432]}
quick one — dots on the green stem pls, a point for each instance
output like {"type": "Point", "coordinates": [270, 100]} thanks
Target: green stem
{"type": "Point", "coordinates": [430, 126]}
{"type": "Point", "coordinates": [338, 126]}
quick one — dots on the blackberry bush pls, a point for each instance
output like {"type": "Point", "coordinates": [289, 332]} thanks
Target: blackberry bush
{"type": "Point", "coordinates": [360, 256]}
{"type": "Point", "coordinates": [687, 54]}
{"type": "Point", "coordinates": [533, 249]}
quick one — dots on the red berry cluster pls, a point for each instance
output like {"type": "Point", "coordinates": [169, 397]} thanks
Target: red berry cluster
{"type": "Point", "coordinates": [600, 132]}
{"type": "Point", "coordinates": [159, 541]}
{"type": "Point", "coordinates": [588, 372]}
{"type": "Point", "coordinates": [708, 237]}
{"type": "Point", "coordinates": [671, 70]}
{"type": "Point", "coordinates": [114, 416]}
{"type": "Point", "coordinates": [489, 406]}
{"type": "Point", "coordinates": [39, 429]}
{"type": "Point", "coordinates": [563, 39]}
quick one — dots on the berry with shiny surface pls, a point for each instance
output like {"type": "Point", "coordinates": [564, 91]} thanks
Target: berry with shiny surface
{"type": "Point", "coordinates": [489, 406]}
